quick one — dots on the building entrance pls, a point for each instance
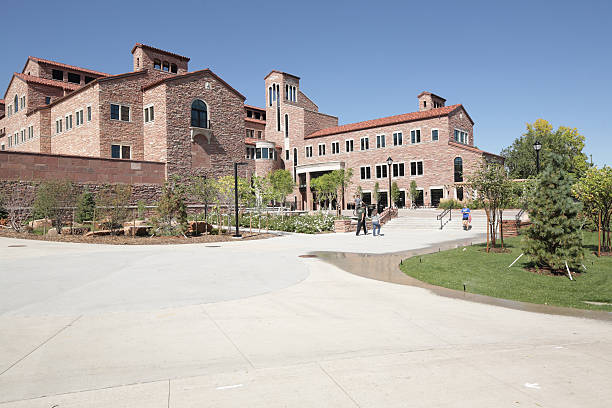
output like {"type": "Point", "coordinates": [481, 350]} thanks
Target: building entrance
{"type": "Point", "coordinates": [436, 195]}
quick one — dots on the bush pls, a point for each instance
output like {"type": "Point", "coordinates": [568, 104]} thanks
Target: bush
{"type": "Point", "coordinates": [306, 224]}
{"type": "Point", "coordinates": [114, 200]}
{"type": "Point", "coordinates": [171, 213]}
{"type": "Point", "coordinates": [85, 207]}
{"type": "Point", "coordinates": [53, 198]}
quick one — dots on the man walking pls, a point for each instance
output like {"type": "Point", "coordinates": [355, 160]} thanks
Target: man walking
{"type": "Point", "coordinates": [361, 219]}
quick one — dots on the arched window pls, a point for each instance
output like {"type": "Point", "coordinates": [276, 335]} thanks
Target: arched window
{"type": "Point", "coordinates": [286, 125]}
{"type": "Point", "coordinates": [16, 104]}
{"type": "Point", "coordinates": [270, 94]}
{"type": "Point", "coordinates": [199, 114]}
{"type": "Point", "coordinates": [173, 68]}
{"type": "Point", "coordinates": [157, 64]}
{"type": "Point", "coordinates": [166, 66]}
{"type": "Point", "coordinates": [458, 169]}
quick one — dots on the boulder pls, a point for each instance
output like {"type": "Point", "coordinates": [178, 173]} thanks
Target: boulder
{"type": "Point", "coordinates": [101, 233]}
{"type": "Point", "coordinates": [138, 230]}
{"type": "Point", "coordinates": [40, 224]}
{"type": "Point", "coordinates": [138, 223]}
{"type": "Point", "coordinates": [52, 232]}
{"type": "Point", "coordinates": [201, 226]}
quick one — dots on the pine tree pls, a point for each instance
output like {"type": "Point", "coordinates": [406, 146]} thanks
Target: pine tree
{"type": "Point", "coordinates": [554, 236]}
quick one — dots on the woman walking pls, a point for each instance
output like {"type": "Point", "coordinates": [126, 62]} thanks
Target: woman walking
{"type": "Point", "coordinates": [375, 222]}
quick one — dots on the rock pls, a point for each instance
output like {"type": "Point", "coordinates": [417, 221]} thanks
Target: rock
{"type": "Point", "coordinates": [138, 230]}
{"type": "Point", "coordinates": [40, 224]}
{"type": "Point", "coordinates": [139, 223]}
{"type": "Point", "coordinates": [52, 232]}
{"type": "Point", "coordinates": [100, 233]}
{"type": "Point", "coordinates": [202, 227]}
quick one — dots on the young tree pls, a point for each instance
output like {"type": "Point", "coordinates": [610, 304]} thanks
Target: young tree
{"type": "Point", "coordinates": [520, 157]}
{"type": "Point", "coordinates": [325, 188]}
{"type": "Point", "coordinates": [395, 194]}
{"type": "Point", "coordinates": [171, 212]}
{"type": "Point", "coordinates": [85, 207]}
{"type": "Point", "coordinates": [226, 193]}
{"type": "Point", "coordinates": [344, 178]}
{"type": "Point", "coordinates": [595, 192]}
{"type": "Point", "coordinates": [554, 236]}
{"type": "Point", "coordinates": [53, 199]}
{"type": "Point", "coordinates": [282, 184]}
{"type": "Point", "coordinates": [113, 201]}
{"type": "Point", "coordinates": [204, 190]}
{"type": "Point", "coordinates": [376, 194]}
{"type": "Point", "coordinates": [492, 185]}
{"type": "Point", "coordinates": [414, 193]}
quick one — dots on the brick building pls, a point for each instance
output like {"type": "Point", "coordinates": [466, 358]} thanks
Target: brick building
{"type": "Point", "coordinates": [162, 114]}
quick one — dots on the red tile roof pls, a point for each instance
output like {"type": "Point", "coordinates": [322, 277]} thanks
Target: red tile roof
{"type": "Point", "coordinates": [66, 66]}
{"type": "Point", "coordinates": [473, 149]}
{"type": "Point", "coordinates": [432, 94]}
{"type": "Point", "coordinates": [159, 50]}
{"type": "Point", "coordinates": [49, 82]}
{"type": "Point", "coordinates": [254, 107]}
{"type": "Point", "coordinates": [193, 73]}
{"type": "Point", "coordinates": [389, 120]}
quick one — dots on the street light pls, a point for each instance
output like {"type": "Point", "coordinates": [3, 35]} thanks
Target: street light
{"type": "Point", "coordinates": [389, 163]}
{"type": "Point", "coordinates": [236, 164]}
{"type": "Point", "coordinates": [537, 146]}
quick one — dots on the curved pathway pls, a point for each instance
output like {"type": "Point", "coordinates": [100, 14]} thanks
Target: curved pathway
{"type": "Point", "coordinates": [253, 324]}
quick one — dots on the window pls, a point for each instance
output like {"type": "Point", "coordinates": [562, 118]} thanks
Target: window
{"type": "Point", "coordinates": [365, 143]}
{"type": "Point", "coordinates": [10, 111]}
{"type": "Point", "coordinates": [74, 78]}
{"type": "Point", "coordinates": [47, 100]}
{"type": "Point", "coordinates": [16, 104]}
{"type": "Point", "coordinates": [88, 79]}
{"type": "Point", "coordinates": [264, 153]}
{"type": "Point", "coordinates": [30, 132]}
{"type": "Point", "coordinates": [270, 95]}
{"type": "Point", "coordinates": [321, 149]}
{"type": "Point", "coordinates": [250, 133]}
{"type": "Point", "coordinates": [380, 141]}
{"type": "Point", "coordinates": [156, 64]}
{"type": "Point", "coordinates": [308, 151]}
{"type": "Point", "coordinates": [335, 146]}
{"type": "Point", "coordinates": [249, 114]}
{"type": "Point", "coordinates": [257, 115]}
{"type": "Point", "coordinates": [460, 193]}
{"type": "Point", "coordinates": [68, 122]}
{"type": "Point", "coordinates": [16, 136]}
{"type": "Point", "coordinates": [89, 113]}
{"type": "Point", "coordinates": [173, 68]}
{"type": "Point", "coordinates": [295, 158]}
{"type": "Point", "coordinates": [120, 152]}
{"type": "Point", "coordinates": [365, 173]}
{"type": "Point", "coordinates": [57, 74]}
{"type": "Point", "coordinates": [199, 114]}
{"type": "Point", "coordinates": [120, 112]}
{"type": "Point", "coordinates": [286, 125]}
{"type": "Point", "coordinates": [149, 114]}
{"type": "Point", "coordinates": [398, 169]}
{"type": "Point", "coordinates": [349, 145]}
{"type": "Point", "coordinates": [458, 169]}
{"type": "Point", "coordinates": [79, 117]}
{"type": "Point", "coordinates": [381, 171]}
{"type": "Point", "coordinates": [23, 102]}
{"type": "Point", "coordinates": [461, 136]}
{"type": "Point", "coordinates": [258, 153]}
{"type": "Point", "coordinates": [58, 126]}
{"type": "Point", "coordinates": [415, 136]}
{"type": "Point", "coordinates": [398, 138]}
{"type": "Point", "coordinates": [286, 154]}
{"type": "Point", "coordinates": [434, 135]}
{"type": "Point", "coordinates": [23, 135]}
{"type": "Point", "coordinates": [416, 168]}
{"type": "Point", "coordinates": [250, 153]}
{"type": "Point", "coordinates": [259, 134]}
{"type": "Point", "coordinates": [166, 66]}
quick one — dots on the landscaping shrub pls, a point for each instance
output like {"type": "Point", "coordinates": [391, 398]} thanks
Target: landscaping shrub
{"type": "Point", "coordinates": [112, 202]}
{"type": "Point", "coordinates": [306, 224]}
{"type": "Point", "coordinates": [171, 213]}
{"type": "Point", "coordinates": [85, 207]}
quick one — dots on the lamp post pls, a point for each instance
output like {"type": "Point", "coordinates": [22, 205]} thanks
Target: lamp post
{"type": "Point", "coordinates": [537, 146]}
{"type": "Point", "coordinates": [236, 164]}
{"type": "Point", "coordinates": [389, 163]}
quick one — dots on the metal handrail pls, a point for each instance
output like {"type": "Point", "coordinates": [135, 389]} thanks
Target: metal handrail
{"type": "Point", "coordinates": [519, 215]}
{"type": "Point", "coordinates": [441, 216]}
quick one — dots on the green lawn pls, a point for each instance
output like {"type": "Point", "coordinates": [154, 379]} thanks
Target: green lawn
{"type": "Point", "coordinates": [488, 274]}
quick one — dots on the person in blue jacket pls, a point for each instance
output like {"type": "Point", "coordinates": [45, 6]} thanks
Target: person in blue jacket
{"type": "Point", "coordinates": [465, 212]}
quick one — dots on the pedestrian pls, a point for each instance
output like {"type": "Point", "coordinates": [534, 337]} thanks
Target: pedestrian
{"type": "Point", "coordinates": [361, 219]}
{"type": "Point", "coordinates": [375, 222]}
{"type": "Point", "coordinates": [467, 217]}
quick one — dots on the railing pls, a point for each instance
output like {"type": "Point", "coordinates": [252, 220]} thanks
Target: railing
{"type": "Point", "coordinates": [443, 214]}
{"type": "Point", "coordinates": [519, 215]}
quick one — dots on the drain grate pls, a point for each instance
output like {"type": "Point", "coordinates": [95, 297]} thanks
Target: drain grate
{"type": "Point", "coordinates": [16, 246]}
{"type": "Point", "coordinates": [213, 246]}
{"type": "Point", "coordinates": [307, 256]}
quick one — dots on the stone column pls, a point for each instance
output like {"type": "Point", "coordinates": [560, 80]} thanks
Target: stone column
{"type": "Point", "coordinates": [308, 193]}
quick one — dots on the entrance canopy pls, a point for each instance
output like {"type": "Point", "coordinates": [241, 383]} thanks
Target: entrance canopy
{"type": "Point", "coordinates": [312, 168]}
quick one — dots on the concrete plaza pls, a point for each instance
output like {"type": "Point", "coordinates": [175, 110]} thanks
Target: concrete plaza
{"type": "Point", "coordinates": [252, 324]}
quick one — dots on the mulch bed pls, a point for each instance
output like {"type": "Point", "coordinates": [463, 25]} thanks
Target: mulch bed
{"type": "Point", "coordinates": [123, 240]}
{"type": "Point", "coordinates": [549, 272]}
{"type": "Point", "coordinates": [496, 250]}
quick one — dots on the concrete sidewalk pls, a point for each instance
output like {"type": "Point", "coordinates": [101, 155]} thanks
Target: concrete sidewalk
{"type": "Point", "coordinates": [250, 323]}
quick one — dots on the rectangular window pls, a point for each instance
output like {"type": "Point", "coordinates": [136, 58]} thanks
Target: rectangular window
{"type": "Point", "coordinates": [149, 114]}
{"type": "Point", "coordinates": [416, 168]}
{"type": "Point", "coordinates": [381, 171]}
{"type": "Point", "coordinates": [398, 169]}
{"type": "Point", "coordinates": [88, 79]}
{"type": "Point", "coordinates": [415, 136]}
{"type": "Point", "coordinates": [380, 141]}
{"type": "Point", "coordinates": [30, 132]}
{"type": "Point", "coordinates": [79, 117]}
{"type": "Point", "coordinates": [308, 151]}
{"type": "Point", "coordinates": [286, 154]}
{"type": "Point", "coordinates": [125, 113]}
{"type": "Point", "coordinates": [47, 100]}
{"type": "Point", "coordinates": [58, 126]}
{"type": "Point", "coordinates": [349, 145]}
{"type": "Point", "coordinates": [335, 147]}
{"type": "Point", "coordinates": [259, 134]}
{"type": "Point", "coordinates": [434, 135]}
{"type": "Point", "coordinates": [250, 133]}
{"type": "Point", "coordinates": [16, 136]}
{"type": "Point", "coordinates": [68, 122]}
{"type": "Point", "coordinates": [365, 173]}
{"type": "Point", "coordinates": [23, 135]}
{"type": "Point", "coordinates": [461, 136]}
{"type": "Point", "coordinates": [321, 150]}
{"type": "Point", "coordinates": [264, 153]}
{"type": "Point", "coordinates": [23, 102]}
{"type": "Point", "coordinates": [365, 143]}
{"type": "Point", "coordinates": [57, 74]}
{"type": "Point", "coordinates": [121, 152]}
{"type": "Point", "coordinates": [120, 112]}
{"type": "Point", "coordinates": [89, 113]}
{"type": "Point", "coordinates": [398, 139]}
{"type": "Point", "coordinates": [74, 78]}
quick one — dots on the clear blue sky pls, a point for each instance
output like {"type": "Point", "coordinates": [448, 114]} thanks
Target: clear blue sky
{"type": "Point", "coordinates": [509, 63]}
